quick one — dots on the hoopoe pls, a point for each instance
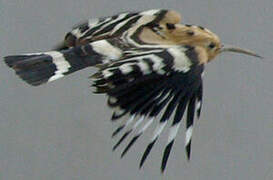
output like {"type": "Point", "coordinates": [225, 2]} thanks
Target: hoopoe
{"type": "Point", "coordinates": [149, 65]}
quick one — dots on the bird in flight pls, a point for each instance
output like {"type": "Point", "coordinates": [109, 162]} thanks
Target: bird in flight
{"type": "Point", "coordinates": [149, 65]}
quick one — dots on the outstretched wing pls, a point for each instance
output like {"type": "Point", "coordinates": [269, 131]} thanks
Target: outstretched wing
{"type": "Point", "coordinates": [115, 26]}
{"type": "Point", "coordinates": [151, 84]}
{"type": "Point", "coordinates": [100, 28]}
{"type": "Point", "coordinates": [109, 27]}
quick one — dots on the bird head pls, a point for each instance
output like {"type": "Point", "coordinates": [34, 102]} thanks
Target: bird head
{"type": "Point", "coordinates": [206, 42]}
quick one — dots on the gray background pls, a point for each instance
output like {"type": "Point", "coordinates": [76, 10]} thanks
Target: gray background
{"type": "Point", "coordinates": [62, 131]}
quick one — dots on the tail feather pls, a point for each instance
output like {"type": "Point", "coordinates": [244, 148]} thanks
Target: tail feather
{"type": "Point", "coordinates": [39, 68]}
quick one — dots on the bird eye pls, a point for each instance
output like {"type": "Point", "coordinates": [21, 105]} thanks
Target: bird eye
{"type": "Point", "coordinates": [190, 33]}
{"type": "Point", "coordinates": [170, 26]}
{"type": "Point", "coordinates": [212, 45]}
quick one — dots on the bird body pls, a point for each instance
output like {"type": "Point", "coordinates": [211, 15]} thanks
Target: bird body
{"type": "Point", "coordinates": [149, 65]}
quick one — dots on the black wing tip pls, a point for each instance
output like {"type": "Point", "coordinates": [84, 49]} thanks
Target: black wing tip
{"type": "Point", "coordinates": [166, 156]}
{"type": "Point", "coordinates": [146, 153]}
{"type": "Point", "coordinates": [121, 140]}
{"type": "Point", "coordinates": [129, 145]}
{"type": "Point", "coordinates": [116, 116]}
{"type": "Point", "coordinates": [188, 151]}
{"type": "Point", "coordinates": [117, 130]}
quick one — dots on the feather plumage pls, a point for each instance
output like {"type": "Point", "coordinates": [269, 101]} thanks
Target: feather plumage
{"type": "Point", "coordinates": [141, 68]}
{"type": "Point", "coordinates": [149, 66]}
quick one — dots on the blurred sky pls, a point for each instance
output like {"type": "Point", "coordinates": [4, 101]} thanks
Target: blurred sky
{"type": "Point", "coordinates": [61, 131]}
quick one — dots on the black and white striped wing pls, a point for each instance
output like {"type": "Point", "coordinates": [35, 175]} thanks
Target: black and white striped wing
{"type": "Point", "coordinates": [152, 86]}
{"type": "Point", "coordinates": [94, 42]}
{"type": "Point", "coordinates": [108, 27]}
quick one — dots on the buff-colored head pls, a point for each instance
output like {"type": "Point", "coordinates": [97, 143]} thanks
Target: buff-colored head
{"type": "Point", "coordinates": [207, 44]}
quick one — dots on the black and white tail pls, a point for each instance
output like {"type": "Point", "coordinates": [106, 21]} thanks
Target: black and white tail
{"type": "Point", "coordinates": [39, 68]}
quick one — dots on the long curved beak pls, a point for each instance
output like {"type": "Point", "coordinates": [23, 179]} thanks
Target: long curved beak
{"type": "Point", "coordinates": [228, 48]}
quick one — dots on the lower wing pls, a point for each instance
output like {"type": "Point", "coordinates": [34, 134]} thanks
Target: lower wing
{"type": "Point", "coordinates": [149, 88]}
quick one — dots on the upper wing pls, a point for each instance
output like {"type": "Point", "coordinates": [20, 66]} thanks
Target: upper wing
{"type": "Point", "coordinates": [104, 28]}
{"type": "Point", "coordinates": [115, 26]}
{"type": "Point", "coordinates": [100, 28]}
{"type": "Point", "coordinates": [153, 83]}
